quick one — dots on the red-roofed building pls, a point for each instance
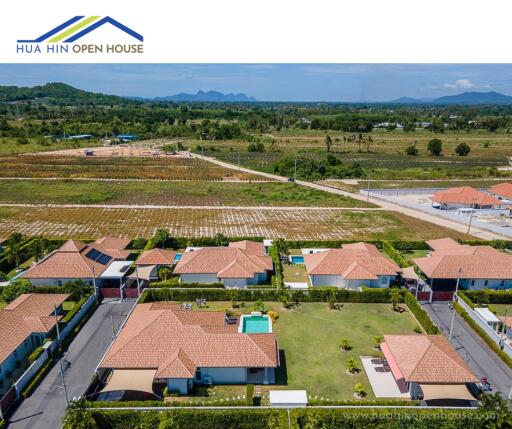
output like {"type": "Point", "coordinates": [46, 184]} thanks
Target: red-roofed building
{"type": "Point", "coordinates": [428, 366]}
{"type": "Point", "coordinates": [352, 266]}
{"type": "Point", "coordinates": [502, 191]}
{"type": "Point", "coordinates": [465, 197]}
{"type": "Point", "coordinates": [75, 260]}
{"type": "Point", "coordinates": [241, 264]}
{"type": "Point", "coordinates": [185, 347]}
{"type": "Point", "coordinates": [476, 267]}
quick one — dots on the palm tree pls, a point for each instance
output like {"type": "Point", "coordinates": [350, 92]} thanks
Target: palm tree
{"type": "Point", "coordinates": [377, 340]}
{"type": "Point", "coordinates": [345, 344]}
{"type": "Point", "coordinates": [394, 296]}
{"type": "Point", "coordinates": [352, 365]}
{"type": "Point", "coordinates": [359, 390]}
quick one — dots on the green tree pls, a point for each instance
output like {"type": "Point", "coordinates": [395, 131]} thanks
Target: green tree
{"type": "Point", "coordinates": [221, 239]}
{"type": "Point", "coordinates": [39, 247]}
{"type": "Point", "coordinates": [394, 297]}
{"type": "Point", "coordinates": [164, 273]}
{"type": "Point", "coordinates": [495, 412]}
{"type": "Point", "coordinates": [462, 149]}
{"type": "Point", "coordinates": [79, 416]}
{"type": "Point", "coordinates": [377, 340]}
{"type": "Point", "coordinates": [435, 147]}
{"type": "Point", "coordinates": [281, 246]}
{"type": "Point", "coordinates": [359, 390]}
{"type": "Point", "coordinates": [77, 290]}
{"type": "Point", "coordinates": [352, 365]}
{"type": "Point", "coordinates": [15, 289]}
{"type": "Point", "coordinates": [161, 236]}
{"type": "Point", "coordinates": [328, 142]}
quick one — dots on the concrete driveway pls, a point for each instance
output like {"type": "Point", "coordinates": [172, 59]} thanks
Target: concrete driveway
{"type": "Point", "coordinates": [47, 405]}
{"type": "Point", "coordinates": [477, 354]}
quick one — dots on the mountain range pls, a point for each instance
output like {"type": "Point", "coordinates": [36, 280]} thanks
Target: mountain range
{"type": "Point", "coordinates": [208, 96]}
{"type": "Point", "coordinates": [471, 97]}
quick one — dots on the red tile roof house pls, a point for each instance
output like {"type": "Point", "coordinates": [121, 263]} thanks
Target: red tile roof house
{"type": "Point", "coordinates": [163, 343]}
{"type": "Point", "coordinates": [478, 267]}
{"type": "Point", "coordinates": [103, 262]}
{"type": "Point", "coordinates": [24, 324]}
{"type": "Point", "coordinates": [241, 264]}
{"type": "Point", "coordinates": [502, 191]}
{"type": "Point", "coordinates": [352, 266]}
{"type": "Point", "coordinates": [427, 367]}
{"type": "Point", "coordinates": [150, 261]}
{"type": "Point", "coordinates": [465, 197]}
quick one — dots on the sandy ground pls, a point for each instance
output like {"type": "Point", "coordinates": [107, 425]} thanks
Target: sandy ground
{"type": "Point", "coordinates": [110, 151]}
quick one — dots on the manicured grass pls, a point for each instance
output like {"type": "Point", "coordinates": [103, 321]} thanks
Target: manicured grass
{"type": "Point", "coordinates": [295, 273]}
{"type": "Point", "coordinates": [195, 193]}
{"type": "Point", "coordinates": [68, 305]}
{"type": "Point", "coordinates": [309, 336]}
{"type": "Point", "coordinates": [3, 304]}
{"type": "Point", "coordinates": [415, 254]}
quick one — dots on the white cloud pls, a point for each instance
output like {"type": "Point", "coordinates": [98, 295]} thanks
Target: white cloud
{"type": "Point", "coordinates": [463, 84]}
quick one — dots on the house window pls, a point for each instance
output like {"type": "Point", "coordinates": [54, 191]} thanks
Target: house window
{"type": "Point", "coordinates": [90, 282]}
{"type": "Point", "coordinates": [383, 280]}
{"type": "Point", "coordinates": [486, 283]}
{"type": "Point", "coordinates": [472, 282]}
{"type": "Point", "coordinates": [198, 374]}
{"type": "Point", "coordinates": [59, 282]}
{"type": "Point", "coordinates": [502, 283]}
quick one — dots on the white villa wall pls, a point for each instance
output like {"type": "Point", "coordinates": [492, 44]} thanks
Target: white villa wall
{"type": "Point", "coordinates": [199, 278]}
{"type": "Point", "coordinates": [338, 281]}
{"type": "Point", "coordinates": [478, 284]}
{"type": "Point", "coordinates": [180, 385]}
{"type": "Point", "coordinates": [241, 283]}
{"type": "Point", "coordinates": [55, 282]}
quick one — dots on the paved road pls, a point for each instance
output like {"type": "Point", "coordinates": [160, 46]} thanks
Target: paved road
{"type": "Point", "coordinates": [480, 358]}
{"type": "Point", "coordinates": [386, 205]}
{"type": "Point", "coordinates": [47, 405]}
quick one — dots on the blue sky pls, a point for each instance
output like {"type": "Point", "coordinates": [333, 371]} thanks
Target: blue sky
{"type": "Point", "coordinates": [271, 82]}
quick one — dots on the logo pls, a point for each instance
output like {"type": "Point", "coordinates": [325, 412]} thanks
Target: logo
{"type": "Point", "coordinates": [65, 38]}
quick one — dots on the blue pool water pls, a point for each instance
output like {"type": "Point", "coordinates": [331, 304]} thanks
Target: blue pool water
{"type": "Point", "coordinates": [297, 259]}
{"type": "Point", "coordinates": [177, 257]}
{"type": "Point", "coordinates": [255, 325]}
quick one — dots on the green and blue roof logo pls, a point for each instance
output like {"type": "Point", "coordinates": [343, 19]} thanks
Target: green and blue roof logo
{"type": "Point", "coordinates": [79, 26]}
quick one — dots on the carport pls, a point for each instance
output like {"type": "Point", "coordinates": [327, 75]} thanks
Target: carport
{"type": "Point", "coordinates": [446, 391]}
{"type": "Point", "coordinates": [138, 380]}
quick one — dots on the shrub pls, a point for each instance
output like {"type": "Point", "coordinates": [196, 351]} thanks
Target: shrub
{"type": "Point", "coordinates": [466, 300]}
{"type": "Point", "coordinates": [273, 316]}
{"type": "Point", "coordinates": [435, 147]}
{"type": "Point", "coordinates": [395, 254]}
{"type": "Point", "coordinates": [411, 150]}
{"type": "Point", "coordinates": [249, 394]}
{"type": "Point", "coordinates": [377, 341]}
{"type": "Point", "coordinates": [345, 344]}
{"type": "Point", "coordinates": [421, 315]}
{"type": "Point", "coordinates": [352, 365]}
{"type": "Point", "coordinates": [15, 289]}
{"type": "Point", "coordinates": [32, 357]}
{"type": "Point", "coordinates": [359, 390]}
{"type": "Point", "coordinates": [462, 149]}
{"type": "Point", "coordinates": [259, 306]}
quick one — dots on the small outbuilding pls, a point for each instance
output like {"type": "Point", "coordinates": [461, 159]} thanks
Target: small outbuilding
{"type": "Point", "coordinates": [288, 398]}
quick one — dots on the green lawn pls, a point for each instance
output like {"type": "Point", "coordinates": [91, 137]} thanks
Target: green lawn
{"type": "Point", "coordinates": [295, 273]}
{"type": "Point", "coordinates": [309, 336]}
{"type": "Point", "coordinates": [415, 254]}
{"type": "Point", "coordinates": [68, 305]}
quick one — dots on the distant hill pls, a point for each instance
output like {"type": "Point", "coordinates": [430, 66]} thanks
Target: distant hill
{"type": "Point", "coordinates": [463, 98]}
{"type": "Point", "coordinates": [58, 93]}
{"type": "Point", "coordinates": [208, 96]}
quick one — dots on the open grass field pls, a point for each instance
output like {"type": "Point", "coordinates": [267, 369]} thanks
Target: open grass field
{"type": "Point", "coordinates": [10, 146]}
{"type": "Point", "coordinates": [185, 193]}
{"type": "Point", "coordinates": [295, 273]}
{"type": "Point", "coordinates": [140, 168]}
{"type": "Point", "coordinates": [300, 223]}
{"type": "Point", "coordinates": [310, 334]}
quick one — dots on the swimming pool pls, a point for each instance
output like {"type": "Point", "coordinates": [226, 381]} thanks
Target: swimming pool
{"type": "Point", "coordinates": [297, 259]}
{"type": "Point", "coordinates": [177, 257]}
{"type": "Point", "coordinates": [255, 324]}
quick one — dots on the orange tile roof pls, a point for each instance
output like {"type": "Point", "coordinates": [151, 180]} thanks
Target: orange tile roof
{"type": "Point", "coordinates": [465, 195]}
{"type": "Point", "coordinates": [70, 260]}
{"type": "Point", "coordinates": [156, 256]}
{"type": "Point", "coordinates": [27, 314]}
{"type": "Point", "coordinates": [507, 320]}
{"type": "Point", "coordinates": [353, 261]}
{"type": "Point", "coordinates": [443, 243]}
{"type": "Point", "coordinates": [428, 359]}
{"type": "Point", "coordinates": [253, 247]}
{"type": "Point", "coordinates": [468, 262]}
{"type": "Point", "coordinates": [503, 190]}
{"type": "Point", "coordinates": [176, 342]}
{"type": "Point", "coordinates": [225, 262]}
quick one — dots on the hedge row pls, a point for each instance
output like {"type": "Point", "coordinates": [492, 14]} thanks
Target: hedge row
{"type": "Point", "coordinates": [32, 357]}
{"type": "Point", "coordinates": [464, 298]}
{"type": "Point", "coordinates": [497, 244]}
{"type": "Point", "coordinates": [421, 315]}
{"type": "Point", "coordinates": [60, 289]}
{"type": "Point", "coordinates": [174, 284]}
{"type": "Point", "coordinates": [464, 314]}
{"type": "Point", "coordinates": [278, 267]}
{"type": "Point", "coordinates": [395, 254]}
{"type": "Point", "coordinates": [489, 296]}
{"type": "Point", "coordinates": [303, 418]}
{"type": "Point", "coordinates": [369, 403]}
{"type": "Point", "coordinates": [312, 295]}
{"type": "Point", "coordinates": [71, 313]}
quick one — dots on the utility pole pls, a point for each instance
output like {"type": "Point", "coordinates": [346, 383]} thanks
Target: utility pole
{"type": "Point", "coordinates": [453, 313]}
{"type": "Point", "coordinates": [238, 156]}
{"type": "Point", "coordinates": [96, 291]}
{"type": "Point", "coordinates": [138, 284]}
{"type": "Point", "coordinates": [295, 171]}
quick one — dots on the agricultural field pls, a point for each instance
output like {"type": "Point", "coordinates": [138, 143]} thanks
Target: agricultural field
{"type": "Point", "coordinates": [293, 224]}
{"type": "Point", "coordinates": [169, 193]}
{"type": "Point", "coordinates": [357, 185]}
{"type": "Point", "coordinates": [384, 156]}
{"type": "Point", "coordinates": [137, 168]}
{"type": "Point", "coordinates": [10, 146]}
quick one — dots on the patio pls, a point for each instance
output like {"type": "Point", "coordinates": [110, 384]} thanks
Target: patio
{"type": "Point", "coordinates": [383, 383]}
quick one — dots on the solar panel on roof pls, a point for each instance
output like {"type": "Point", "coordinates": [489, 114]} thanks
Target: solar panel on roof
{"type": "Point", "coordinates": [97, 256]}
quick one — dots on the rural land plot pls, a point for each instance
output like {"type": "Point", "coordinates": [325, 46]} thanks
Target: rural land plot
{"type": "Point", "coordinates": [293, 224]}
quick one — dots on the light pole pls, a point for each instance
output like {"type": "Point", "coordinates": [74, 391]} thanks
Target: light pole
{"type": "Point", "coordinates": [471, 216]}
{"type": "Point", "coordinates": [453, 313]}
{"type": "Point", "coordinates": [295, 169]}
{"type": "Point", "coordinates": [60, 358]}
